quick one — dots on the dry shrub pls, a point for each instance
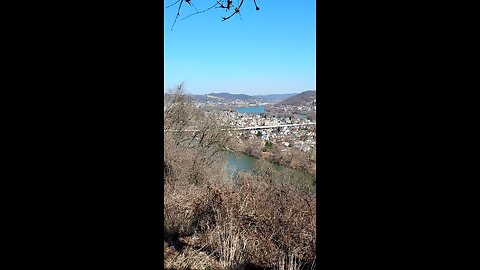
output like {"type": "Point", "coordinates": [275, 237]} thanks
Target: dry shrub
{"type": "Point", "coordinates": [257, 222]}
{"type": "Point", "coordinates": [271, 220]}
{"type": "Point", "coordinates": [188, 208]}
{"type": "Point", "coordinates": [230, 245]}
{"type": "Point", "coordinates": [191, 165]}
{"type": "Point", "coordinates": [189, 258]}
{"type": "Point", "coordinates": [288, 262]}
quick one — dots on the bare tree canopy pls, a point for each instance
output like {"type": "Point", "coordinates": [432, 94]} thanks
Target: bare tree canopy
{"type": "Point", "coordinates": [228, 5]}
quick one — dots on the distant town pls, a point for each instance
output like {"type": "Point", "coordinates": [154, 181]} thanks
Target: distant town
{"type": "Point", "coordinates": [284, 120]}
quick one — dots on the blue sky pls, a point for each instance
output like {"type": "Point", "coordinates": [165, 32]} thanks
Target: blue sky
{"type": "Point", "coordinates": [270, 51]}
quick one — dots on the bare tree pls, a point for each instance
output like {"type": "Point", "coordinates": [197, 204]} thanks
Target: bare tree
{"type": "Point", "coordinates": [193, 138]}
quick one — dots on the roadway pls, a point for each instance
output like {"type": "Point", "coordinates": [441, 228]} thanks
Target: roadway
{"type": "Point", "coordinates": [254, 127]}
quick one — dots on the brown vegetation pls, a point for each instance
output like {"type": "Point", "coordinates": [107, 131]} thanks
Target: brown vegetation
{"type": "Point", "coordinates": [293, 158]}
{"type": "Point", "coordinates": [214, 222]}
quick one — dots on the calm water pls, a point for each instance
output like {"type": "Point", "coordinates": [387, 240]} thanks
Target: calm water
{"type": "Point", "coordinates": [254, 110]}
{"type": "Point", "coordinates": [240, 162]}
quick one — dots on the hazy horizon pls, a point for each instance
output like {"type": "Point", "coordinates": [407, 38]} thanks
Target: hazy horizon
{"type": "Point", "coordinates": [270, 51]}
{"type": "Point", "coordinates": [206, 93]}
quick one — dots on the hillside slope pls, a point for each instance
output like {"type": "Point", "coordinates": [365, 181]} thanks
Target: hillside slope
{"type": "Point", "coordinates": [300, 99]}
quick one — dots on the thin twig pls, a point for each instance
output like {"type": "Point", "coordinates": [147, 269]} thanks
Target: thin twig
{"type": "Point", "coordinates": [198, 12]}
{"type": "Point", "coordinates": [194, 6]}
{"type": "Point", "coordinates": [256, 7]}
{"type": "Point", "coordinates": [218, 4]}
{"type": "Point", "coordinates": [178, 14]}
{"type": "Point", "coordinates": [237, 10]}
{"type": "Point", "coordinates": [191, 4]}
{"type": "Point", "coordinates": [173, 4]}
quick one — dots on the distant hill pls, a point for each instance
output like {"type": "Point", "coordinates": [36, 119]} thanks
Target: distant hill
{"type": "Point", "coordinates": [231, 96]}
{"type": "Point", "coordinates": [274, 97]}
{"type": "Point", "coordinates": [265, 98]}
{"type": "Point", "coordinates": [300, 99]}
{"type": "Point", "coordinates": [243, 97]}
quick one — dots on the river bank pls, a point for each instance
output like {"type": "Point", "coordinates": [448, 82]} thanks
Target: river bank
{"type": "Point", "coordinates": [293, 159]}
{"type": "Point", "coordinates": [237, 162]}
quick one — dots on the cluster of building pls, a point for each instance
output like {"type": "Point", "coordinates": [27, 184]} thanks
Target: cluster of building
{"type": "Point", "coordinates": [285, 126]}
{"type": "Point", "coordinates": [230, 103]}
{"type": "Point", "coordinates": [284, 131]}
{"type": "Point", "coordinates": [307, 110]}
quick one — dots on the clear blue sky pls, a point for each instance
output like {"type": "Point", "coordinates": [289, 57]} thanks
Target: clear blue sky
{"type": "Point", "coordinates": [270, 51]}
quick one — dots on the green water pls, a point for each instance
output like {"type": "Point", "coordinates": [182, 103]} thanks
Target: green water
{"type": "Point", "coordinates": [237, 162]}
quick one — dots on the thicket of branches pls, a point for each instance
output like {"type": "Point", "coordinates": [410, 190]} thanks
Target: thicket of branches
{"type": "Point", "coordinates": [192, 139]}
{"type": "Point", "coordinates": [230, 8]}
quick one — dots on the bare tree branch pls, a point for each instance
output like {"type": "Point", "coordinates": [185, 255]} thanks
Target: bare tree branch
{"type": "Point", "coordinates": [191, 4]}
{"type": "Point", "coordinates": [173, 4]}
{"type": "Point", "coordinates": [178, 14]}
{"type": "Point", "coordinates": [256, 7]}
{"type": "Point", "coordinates": [198, 12]}
{"type": "Point", "coordinates": [226, 4]}
{"type": "Point", "coordinates": [237, 10]}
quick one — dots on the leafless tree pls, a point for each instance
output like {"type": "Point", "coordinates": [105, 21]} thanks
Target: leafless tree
{"type": "Point", "coordinates": [192, 138]}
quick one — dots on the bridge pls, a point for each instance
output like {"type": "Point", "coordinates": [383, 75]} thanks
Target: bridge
{"type": "Point", "coordinates": [277, 126]}
{"type": "Point", "coordinates": [252, 128]}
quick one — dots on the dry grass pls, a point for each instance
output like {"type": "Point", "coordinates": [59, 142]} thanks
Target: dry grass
{"type": "Point", "coordinates": [252, 222]}
{"type": "Point", "coordinates": [189, 258]}
{"type": "Point", "coordinates": [230, 245]}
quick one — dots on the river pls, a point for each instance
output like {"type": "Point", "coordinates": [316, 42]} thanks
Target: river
{"type": "Point", "coordinates": [240, 162]}
{"type": "Point", "coordinates": [261, 109]}
{"type": "Point", "coordinates": [253, 110]}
